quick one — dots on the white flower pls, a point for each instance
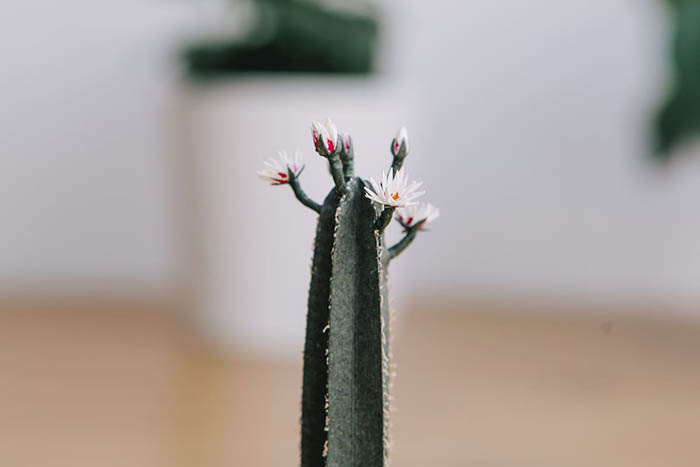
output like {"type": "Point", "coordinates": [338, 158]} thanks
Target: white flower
{"type": "Point", "coordinates": [420, 214]}
{"type": "Point", "coordinates": [275, 171]}
{"type": "Point", "coordinates": [401, 137]}
{"type": "Point", "coordinates": [393, 190]}
{"type": "Point", "coordinates": [325, 133]}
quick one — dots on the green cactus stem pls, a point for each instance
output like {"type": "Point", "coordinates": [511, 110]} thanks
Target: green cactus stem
{"type": "Point", "coordinates": [402, 244]}
{"type": "Point", "coordinates": [385, 218]}
{"type": "Point", "coordinates": [314, 432]}
{"type": "Point", "coordinates": [336, 168]}
{"type": "Point", "coordinates": [299, 193]}
{"type": "Point", "coordinates": [355, 370]}
{"type": "Point", "coordinates": [346, 366]}
{"type": "Point", "coordinates": [347, 157]}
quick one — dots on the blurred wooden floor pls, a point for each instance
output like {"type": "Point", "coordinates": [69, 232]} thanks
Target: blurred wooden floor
{"type": "Point", "coordinates": [489, 388]}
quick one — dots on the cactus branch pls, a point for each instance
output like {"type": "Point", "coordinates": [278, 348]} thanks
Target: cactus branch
{"type": "Point", "coordinates": [314, 418]}
{"type": "Point", "coordinates": [299, 193]}
{"type": "Point", "coordinates": [337, 172]}
{"type": "Point", "coordinates": [385, 218]}
{"type": "Point", "coordinates": [356, 360]}
{"type": "Point", "coordinates": [398, 247]}
{"type": "Point", "coordinates": [347, 156]}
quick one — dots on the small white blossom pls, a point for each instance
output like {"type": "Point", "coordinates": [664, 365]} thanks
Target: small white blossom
{"type": "Point", "coordinates": [420, 214]}
{"type": "Point", "coordinates": [401, 137]}
{"type": "Point", "coordinates": [275, 171]}
{"type": "Point", "coordinates": [393, 190]}
{"type": "Point", "coordinates": [325, 133]}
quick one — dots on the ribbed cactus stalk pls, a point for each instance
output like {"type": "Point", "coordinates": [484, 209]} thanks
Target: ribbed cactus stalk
{"type": "Point", "coordinates": [345, 396]}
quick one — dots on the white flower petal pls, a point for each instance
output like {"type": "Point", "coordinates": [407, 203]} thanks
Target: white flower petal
{"type": "Point", "coordinates": [393, 189]}
{"type": "Point", "coordinates": [276, 170]}
{"type": "Point", "coordinates": [421, 213]}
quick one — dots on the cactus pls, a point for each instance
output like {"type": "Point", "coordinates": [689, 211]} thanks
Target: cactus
{"type": "Point", "coordinates": [346, 381]}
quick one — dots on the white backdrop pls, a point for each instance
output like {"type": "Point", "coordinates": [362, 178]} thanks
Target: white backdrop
{"type": "Point", "coordinates": [529, 126]}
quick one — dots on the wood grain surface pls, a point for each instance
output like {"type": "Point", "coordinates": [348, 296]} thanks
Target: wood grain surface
{"type": "Point", "coordinates": [102, 385]}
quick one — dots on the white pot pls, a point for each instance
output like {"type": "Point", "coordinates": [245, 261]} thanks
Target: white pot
{"type": "Point", "coordinates": [253, 245]}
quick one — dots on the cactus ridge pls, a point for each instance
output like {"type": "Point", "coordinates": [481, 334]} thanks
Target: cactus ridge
{"type": "Point", "coordinates": [386, 324]}
{"type": "Point", "coordinates": [314, 432]}
{"type": "Point", "coordinates": [355, 376]}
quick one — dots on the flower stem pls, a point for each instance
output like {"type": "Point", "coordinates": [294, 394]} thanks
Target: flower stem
{"type": "Point", "coordinates": [401, 245]}
{"type": "Point", "coordinates": [397, 164]}
{"type": "Point", "coordinates": [300, 195]}
{"type": "Point", "coordinates": [337, 172]}
{"type": "Point", "coordinates": [347, 157]}
{"type": "Point", "coordinates": [348, 164]}
{"type": "Point", "coordinates": [385, 218]}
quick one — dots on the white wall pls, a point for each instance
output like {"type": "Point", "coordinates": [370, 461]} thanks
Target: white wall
{"type": "Point", "coordinates": [84, 182]}
{"type": "Point", "coordinates": [529, 126]}
{"type": "Point", "coordinates": [531, 131]}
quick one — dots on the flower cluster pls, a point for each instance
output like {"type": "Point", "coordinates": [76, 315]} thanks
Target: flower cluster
{"type": "Point", "coordinates": [392, 190]}
{"type": "Point", "coordinates": [277, 171]}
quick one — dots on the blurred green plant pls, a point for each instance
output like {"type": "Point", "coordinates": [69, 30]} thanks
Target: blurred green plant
{"type": "Point", "coordinates": [291, 36]}
{"type": "Point", "coordinates": [679, 117]}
